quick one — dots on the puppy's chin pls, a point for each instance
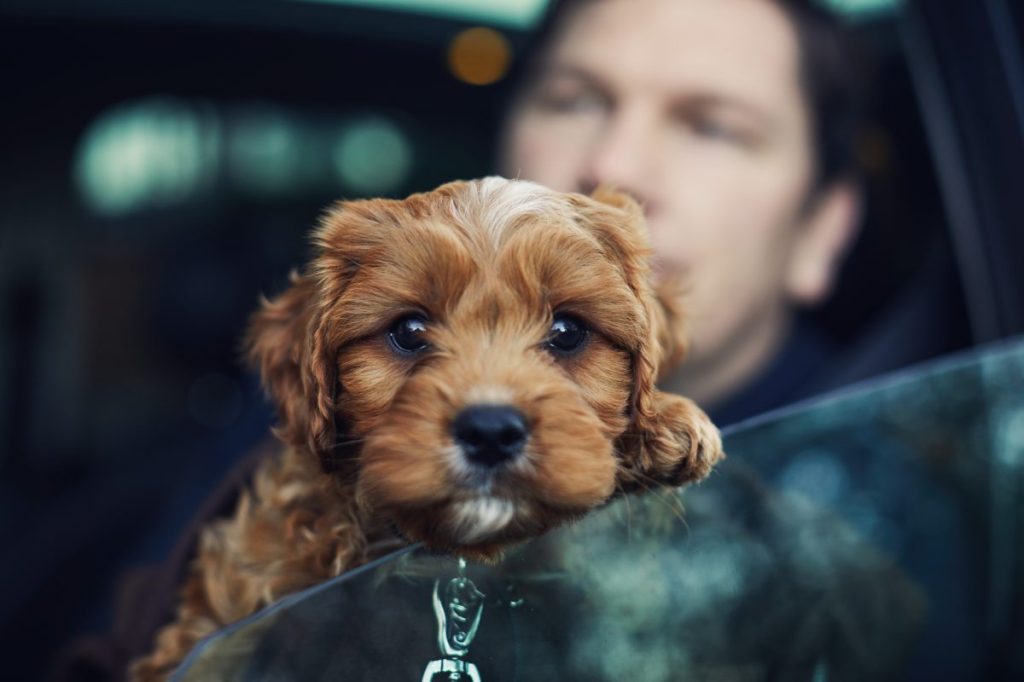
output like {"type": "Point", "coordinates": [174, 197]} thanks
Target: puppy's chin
{"type": "Point", "coordinates": [480, 518]}
{"type": "Point", "coordinates": [479, 527]}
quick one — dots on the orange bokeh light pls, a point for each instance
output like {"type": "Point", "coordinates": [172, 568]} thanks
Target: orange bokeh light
{"type": "Point", "coordinates": [479, 56]}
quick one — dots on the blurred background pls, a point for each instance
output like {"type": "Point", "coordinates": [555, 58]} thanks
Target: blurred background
{"type": "Point", "coordinates": [162, 163]}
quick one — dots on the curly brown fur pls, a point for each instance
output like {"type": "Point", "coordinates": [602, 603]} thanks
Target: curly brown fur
{"type": "Point", "coordinates": [368, 430]}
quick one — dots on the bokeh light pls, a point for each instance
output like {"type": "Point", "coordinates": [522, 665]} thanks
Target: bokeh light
{"type": "Point", "coordinates": [517, 14]}
{"type": "Point", "coordinates": [479, 56]}
{"type": "Point", "coordinates": [860, 9]}
{"type": "Point", "coordinates": [263, 150]}
{"type": "Point", "coordinates": [150, 153]}
{"type": "Point", "coordinates": [372, 156]}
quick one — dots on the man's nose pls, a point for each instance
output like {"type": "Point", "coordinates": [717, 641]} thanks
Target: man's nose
{"type": "Point", "coordinates": [623, 154]}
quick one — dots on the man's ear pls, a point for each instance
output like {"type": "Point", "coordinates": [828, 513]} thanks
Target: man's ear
{"type": "Point", "coordinates": [823, 237]}
{"type": "Point", "coordinates": [285, 344]}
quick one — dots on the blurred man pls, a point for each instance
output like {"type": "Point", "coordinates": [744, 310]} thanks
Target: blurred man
{"type": "Point", "coordinates": [732, 122]}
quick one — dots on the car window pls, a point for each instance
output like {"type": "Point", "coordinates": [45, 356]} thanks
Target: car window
{"type": "Point", "coordinates": [870, 534]}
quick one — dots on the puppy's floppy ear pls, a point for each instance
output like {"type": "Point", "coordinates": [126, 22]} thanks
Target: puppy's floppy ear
{"type": "Point", "coordinates": [286, 345]}
{"type": "Point", "coordinates": [294, 339]}
{"type": "Point", "coordinates": [629, 241]}
{"type": "Point", "coordinates": [670, 440]}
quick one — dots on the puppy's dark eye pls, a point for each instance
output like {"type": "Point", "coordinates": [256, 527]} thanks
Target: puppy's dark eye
{"type": "Point", "coordinates": [567, 335]}
{"type": "Point", "coordinates": [407, 334]}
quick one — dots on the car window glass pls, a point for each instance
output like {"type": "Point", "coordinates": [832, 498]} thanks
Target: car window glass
{"type": "Point", "coordinates": [847, 537]}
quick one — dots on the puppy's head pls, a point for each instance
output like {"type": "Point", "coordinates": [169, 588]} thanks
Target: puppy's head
{"type": "Point", "coordinates": [479, 360]}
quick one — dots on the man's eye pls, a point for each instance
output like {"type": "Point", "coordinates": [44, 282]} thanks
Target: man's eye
{"type": "Point", "coordinates": [407, 334]}
{"type": "Point", "coordinates": [567, 335]}
{"type": "Point", "coordinates": [569, 101]}
{"type": "Point", "coordinates": [712, 129]}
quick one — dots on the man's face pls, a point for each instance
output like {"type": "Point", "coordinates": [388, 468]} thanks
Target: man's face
{"type": "Point", "coordinates": [695, 108]}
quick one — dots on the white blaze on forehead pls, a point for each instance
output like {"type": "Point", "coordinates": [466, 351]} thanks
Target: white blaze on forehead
{"type": "Point", "coordinates": [494, 203]}
{"type": "Point", "coordinates": [489, 394]}
{"type": "Point", "coordinates": [475, 520]}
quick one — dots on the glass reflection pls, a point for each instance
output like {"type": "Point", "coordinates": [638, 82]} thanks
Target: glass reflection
{"type": "Point", "coordinates": [874, 534]}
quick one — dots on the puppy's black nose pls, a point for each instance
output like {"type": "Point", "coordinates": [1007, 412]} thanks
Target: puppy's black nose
{"type": "Point", "coordinates": [490, 434]}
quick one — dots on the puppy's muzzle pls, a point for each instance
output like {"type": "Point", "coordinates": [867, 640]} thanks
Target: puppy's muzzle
{"type": "Point", "coordinates": [490, 435]}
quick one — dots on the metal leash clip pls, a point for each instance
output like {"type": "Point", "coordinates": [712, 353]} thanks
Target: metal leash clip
{"type": "Point", "coordinates": [458, 609]}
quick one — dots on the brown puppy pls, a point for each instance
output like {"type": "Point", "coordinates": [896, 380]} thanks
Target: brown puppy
{"type": "Point", "coordinates": [470, 366]}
